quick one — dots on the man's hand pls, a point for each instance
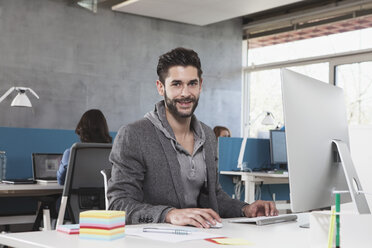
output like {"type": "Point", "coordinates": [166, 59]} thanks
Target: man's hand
{"type": "Point", "coordinates": [192, 216]}
{"type": "Point", "coordinates": [260, 208]}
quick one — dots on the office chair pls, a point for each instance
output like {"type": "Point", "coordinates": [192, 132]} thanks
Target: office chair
{"type": "Point", "coordinates": [84, 186]}
{"type": "Point", "coordinates": [106, 173]}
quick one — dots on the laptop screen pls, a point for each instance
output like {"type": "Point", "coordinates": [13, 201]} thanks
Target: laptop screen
{"type": "Point", "coordinates": [45, 165]}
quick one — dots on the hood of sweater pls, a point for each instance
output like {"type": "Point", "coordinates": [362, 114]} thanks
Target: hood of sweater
{"type": "Point", "coordinates": [159, 120]}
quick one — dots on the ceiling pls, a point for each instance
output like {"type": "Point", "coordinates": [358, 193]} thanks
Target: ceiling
{"type": "Point", "coordinates": [198, 12]}
{"type": "Point", "coordinates": [306, 20]}
{"type": "Point", "coordinates": [312, 32]}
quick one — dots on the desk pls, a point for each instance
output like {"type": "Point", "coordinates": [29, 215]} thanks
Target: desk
{"type": "Point", "coordinates": [38, 189]}
{"type": "Point", "coordinates": [17, 190]}
{"type": "Point", "coordinates": [251, 178]}
{"type": "Point", "coordinates": [283, 235]}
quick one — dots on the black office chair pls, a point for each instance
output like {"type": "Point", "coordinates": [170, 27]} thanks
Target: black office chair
{"type": "Point", "coordinates": [84, 185]}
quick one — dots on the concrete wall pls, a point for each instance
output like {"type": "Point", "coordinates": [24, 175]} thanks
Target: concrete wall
{"type": "Point", "coordinates": [76, 60]}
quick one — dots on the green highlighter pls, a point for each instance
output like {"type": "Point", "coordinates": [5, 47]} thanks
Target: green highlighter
{"type": "Point", "coordinates": [337, 195]}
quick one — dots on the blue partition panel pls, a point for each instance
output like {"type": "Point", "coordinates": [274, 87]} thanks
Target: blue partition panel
{"type": "Point", "coordinates": [20, 143]}
{"type": "Point", "coordinates": [257, 155]}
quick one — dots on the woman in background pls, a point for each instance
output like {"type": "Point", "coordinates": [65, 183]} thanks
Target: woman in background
{"type": "Point", "coordinates": [92, 128]}
{"type": "Point", "coordinates": [221, 131]}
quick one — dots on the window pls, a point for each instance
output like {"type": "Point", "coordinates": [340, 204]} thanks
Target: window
{"type": "Point", "coordinates": [318, 58]}
{"type": "Point", "coordinates": [267, 94]}
{"type": "Point", "coordinates": [356, 80]}
{"type": "Point", "coordinates": [320, 46]}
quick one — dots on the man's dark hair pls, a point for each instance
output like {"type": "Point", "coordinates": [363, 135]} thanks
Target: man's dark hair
{"type": "Point", "coordinates": [177, 57]}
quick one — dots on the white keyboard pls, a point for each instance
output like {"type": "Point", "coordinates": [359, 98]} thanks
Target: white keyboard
{"type": "Point", "coordinates": [265, 220]}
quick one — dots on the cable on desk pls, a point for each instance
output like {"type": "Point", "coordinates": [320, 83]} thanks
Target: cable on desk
{"type": "Point", "coordinates": [237, 189]}
{"type": "Point", "coordinates": [248, 170]}
{"type": "Point", "coordinates": [258, 192]}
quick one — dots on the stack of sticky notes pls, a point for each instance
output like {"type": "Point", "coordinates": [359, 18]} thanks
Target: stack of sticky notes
{"type": "Point", "coordinates": [69, 229]}
{"type": "Point", "coordinates": [102, 224]}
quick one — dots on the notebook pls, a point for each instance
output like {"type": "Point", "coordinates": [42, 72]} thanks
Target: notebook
{"type": "Point", "coordinates": [265, 220]}
{"type": "Point", "coordinates": [45, 166]}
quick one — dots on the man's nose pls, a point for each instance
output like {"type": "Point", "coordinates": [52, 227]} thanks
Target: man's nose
{"type": "Point", "coordinates": [185, 91]}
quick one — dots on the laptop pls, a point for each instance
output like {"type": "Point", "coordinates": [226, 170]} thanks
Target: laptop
{"type": "Point", "coordinates": [265, 220]}
{"type": "Point", "coordinates": [45, 166]}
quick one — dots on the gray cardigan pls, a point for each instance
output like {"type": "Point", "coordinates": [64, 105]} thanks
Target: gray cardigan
{"type": "Point", "coordinates": [146, 178]}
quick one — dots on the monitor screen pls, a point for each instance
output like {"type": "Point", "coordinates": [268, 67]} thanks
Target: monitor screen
{"type": "Point", "coordinates": [45, 165]}
{"type": "Point", "coordinates": [278, 149]}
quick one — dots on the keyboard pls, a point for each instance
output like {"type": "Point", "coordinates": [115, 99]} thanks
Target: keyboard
{"type": "Point", "coordinates": [46, 181]}
{"type": "Point", "coordinates": [265, 220]}
{"type": "Point", "coordinates": [19, 181]}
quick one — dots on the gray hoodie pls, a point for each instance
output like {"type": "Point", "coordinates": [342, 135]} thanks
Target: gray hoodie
{"type": "Point", "coordinates": [193, 167]}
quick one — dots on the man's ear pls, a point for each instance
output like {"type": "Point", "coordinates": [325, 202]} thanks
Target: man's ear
{"type": "Point", "coordinates": [201, 84]}
{"type": "Point", "coordinates": [160, 86]}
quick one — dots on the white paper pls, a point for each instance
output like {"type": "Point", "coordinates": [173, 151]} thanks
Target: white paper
{"type": "Point", "coordinates": [195, 234]}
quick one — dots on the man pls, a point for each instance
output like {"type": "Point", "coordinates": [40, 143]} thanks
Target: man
{"type": "Point", "coordinates": [165, 165]}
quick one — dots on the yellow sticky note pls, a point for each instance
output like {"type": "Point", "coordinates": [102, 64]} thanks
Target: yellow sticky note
{"type": "Point", "coordinates": [331, 229]}
{"type": "Point", "coordinates": [232, 241]}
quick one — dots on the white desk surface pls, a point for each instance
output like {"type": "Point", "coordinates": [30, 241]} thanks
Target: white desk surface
{"type": "Point", "coordinates": [282, 235]}
{"type": "Point", "coordinates": [37, 189]}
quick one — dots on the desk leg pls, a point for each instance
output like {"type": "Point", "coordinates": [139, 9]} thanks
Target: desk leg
{"type": "Point", "coordinates": [249, 188]}
{"type": "Point", "coordinates": [46, 220]}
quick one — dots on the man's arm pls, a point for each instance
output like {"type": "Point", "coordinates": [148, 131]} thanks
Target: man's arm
{"type": "Point", "coordinates": [125, 187]}
{"type": "Point", "coordinates": [228, 207]}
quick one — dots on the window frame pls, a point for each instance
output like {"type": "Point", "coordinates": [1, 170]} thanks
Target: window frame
{"type": "Point", "coordinates": [334, 60]}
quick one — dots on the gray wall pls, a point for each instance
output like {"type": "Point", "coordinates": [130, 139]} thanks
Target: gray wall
{"type": "Point", "coordinates": [76, 60]}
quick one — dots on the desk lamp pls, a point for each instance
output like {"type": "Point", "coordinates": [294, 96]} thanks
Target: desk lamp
{"type": "Point", "coordinates": [267, 120]}
{"type": "Point", "coordinates": [21, 99]}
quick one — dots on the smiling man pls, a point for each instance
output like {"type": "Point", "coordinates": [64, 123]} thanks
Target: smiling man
{"type": "Point", "coordinates": [165, 165]}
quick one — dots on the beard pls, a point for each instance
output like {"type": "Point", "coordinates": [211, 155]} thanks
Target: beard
{"type": "Point", "coordinates": [172, 105]}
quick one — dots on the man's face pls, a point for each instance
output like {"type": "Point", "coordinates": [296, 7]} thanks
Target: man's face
{"type": "Point", "coordinates": [181, 90]}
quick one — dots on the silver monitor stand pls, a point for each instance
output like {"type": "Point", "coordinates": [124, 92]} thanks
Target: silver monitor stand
{"type": "Point", "coordinates": [351, 176]}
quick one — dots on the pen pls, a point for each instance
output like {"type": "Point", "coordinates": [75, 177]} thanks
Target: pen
{"type": "Point", "coordinates": [166, 230]}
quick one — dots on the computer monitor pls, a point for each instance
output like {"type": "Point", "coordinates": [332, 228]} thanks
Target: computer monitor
{"type": "Point", "coordinates": [315, 121]}
{"type": "Point", "coordinates": [278, 149]}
